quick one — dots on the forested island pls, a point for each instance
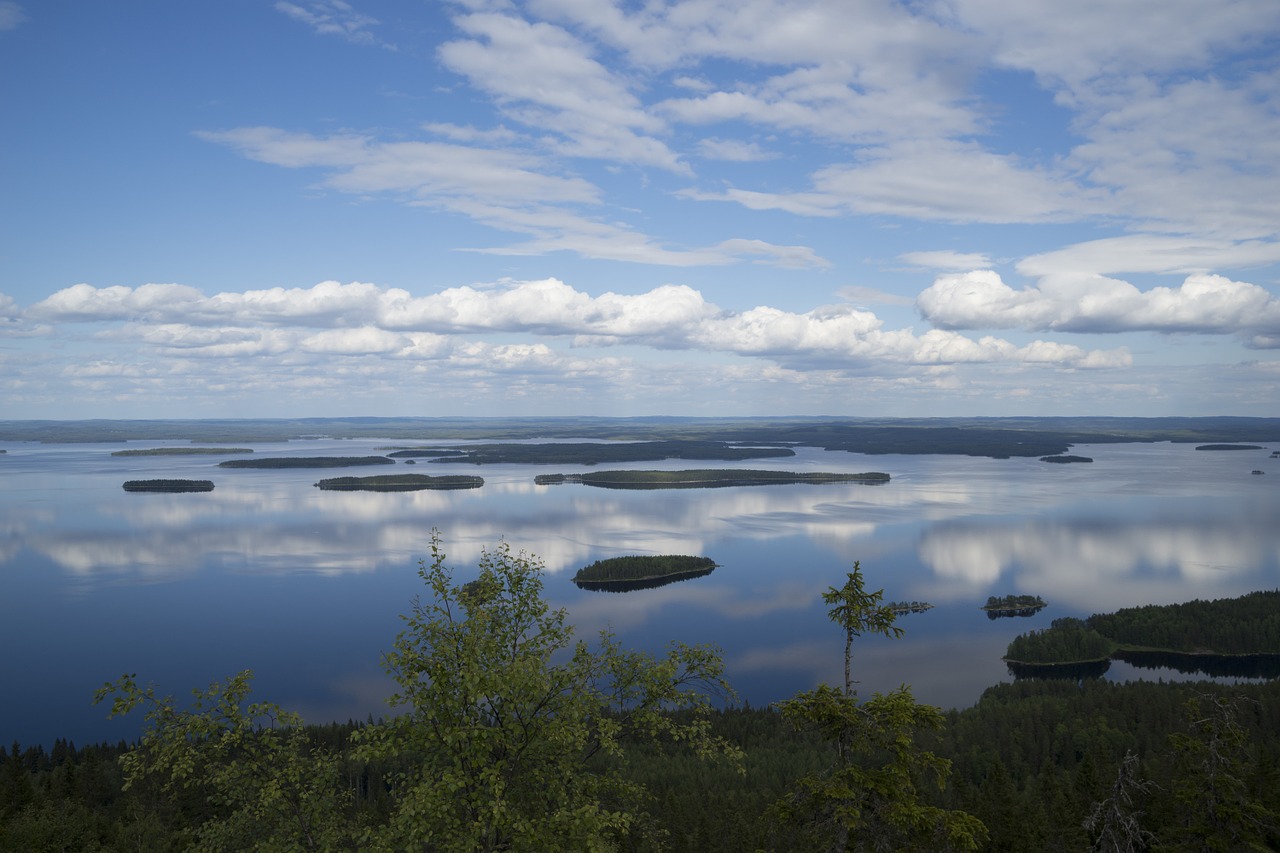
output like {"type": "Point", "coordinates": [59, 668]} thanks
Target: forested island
{"type": "Point", "coordinates": [1013, 605]}
{"type": "Point", "coordinates": [182, 451]}
{"type": "Point", "coordinates": [623, 574]}
{"type": "Point", "coordinates": [704, 478]}
{"type": "Point", "coordinates": [1229, 447]}
{"type": "Point", "coordinates": [399, 483]}
{"type": "Point", "coordinates": [1225, 633]}
{"type": "Point", "coordinates": [903, 607]}
{"type": "Point", "coordinates": [307, 462]}
{"type": "Point", "coordinates": [168, 485]}
{"type": "Point", "coordinates": [1065, 459]}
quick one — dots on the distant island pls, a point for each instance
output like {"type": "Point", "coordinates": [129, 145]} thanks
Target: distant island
{"type": "Point", "coordinates": [998, 607]}
{"type": "Point", "coordinates": [623, 574]}
{"type": "Point", "coordinates": [168, 485]}
{"type": "Point", "coordinates": [1065, 459]}
{"type": "Point", "coordinates": [999, 438]}
{"type": "Point", "coordinates": [306, 462]}
{"type": "Point", "coordinates": [595, 452]}
{"type": "Point", "coordinates": [399, 483]}
{"type": "Point", "coordinates": [1236, 636]}
{"type": "Point", "coordinates": [181, 451]}
{"type": "Point", "coordinates": [704, 478]}
{"type": "Point", "coordinates": [1229, 447]}
{"type": "Point", "coordinates": [902, 607]}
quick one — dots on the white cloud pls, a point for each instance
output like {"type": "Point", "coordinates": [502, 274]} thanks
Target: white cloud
{"type": "Point", "coordinates": [1149, 253]}
{"type": "Point", "coordinates": [332, 18]}
{"type": "Point", "coordinates": [11, 15]}
{"type": "Point", "coordinates": [363, 319]}
{"type": "Point", "coordinates": [733, 150]}
{"type": "Point", "coordinates": [542, 76]}
{"type": "Point", "coordinates": [1206, 304]}
{"type": "Point", "coordinates": [945, 259]}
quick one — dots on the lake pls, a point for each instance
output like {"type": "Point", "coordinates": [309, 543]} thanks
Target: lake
{"type": "Point", "coordinates": [304, 586]}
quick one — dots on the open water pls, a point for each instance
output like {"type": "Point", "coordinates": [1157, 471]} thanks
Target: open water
{"type": "Point", "coordinates": [305, 586]}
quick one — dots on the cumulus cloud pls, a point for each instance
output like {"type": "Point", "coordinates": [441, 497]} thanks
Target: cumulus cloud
{"type": "Point", "coordinates": [1203, 304]}
{"type": "Point", "coordinates": [364, 319]}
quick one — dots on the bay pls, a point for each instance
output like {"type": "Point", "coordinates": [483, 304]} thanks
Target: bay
{"type": "Point", "coordinates": [305, 586]}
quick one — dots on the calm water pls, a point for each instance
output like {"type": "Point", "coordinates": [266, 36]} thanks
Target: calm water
{"type": "Point", "coordinates": [304, 587]}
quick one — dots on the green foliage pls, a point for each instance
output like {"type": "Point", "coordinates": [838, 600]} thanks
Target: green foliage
{"type": "Point", "coordinates": [594, 453]}
{"type": "Point", "coordinates": [643, 567]}
{"type": "Point", "coordinates": [1013, 602]}
{"type": "Point", "coordinates": [512, 746]}
{"type": "Point", "coordinates": [870, 797]}
{"type": "Point", "coordinates": [1249, 624]}
{"type": "Point", "coordinates": [1066, 640]}
{"type": "Point", "coordinates": [265, 786]}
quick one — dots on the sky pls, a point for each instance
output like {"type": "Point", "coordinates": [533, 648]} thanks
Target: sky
{"type": "Point", "coordinates": [313, 208]}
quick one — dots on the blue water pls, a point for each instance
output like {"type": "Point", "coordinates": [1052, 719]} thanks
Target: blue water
{"type": "Point", "coordinates": [304, 587]}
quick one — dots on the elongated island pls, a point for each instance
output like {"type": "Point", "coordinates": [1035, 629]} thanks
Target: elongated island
{"type": "Point", "coordinates": [624, 574]}
{"type": "Point", "coordinates": [707, 478]}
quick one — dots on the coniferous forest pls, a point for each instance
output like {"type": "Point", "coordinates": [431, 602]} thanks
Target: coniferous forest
{"type": "Point", "coordinates": [509, 733]}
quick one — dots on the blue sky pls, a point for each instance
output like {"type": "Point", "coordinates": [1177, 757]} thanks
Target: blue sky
{"type": "Point", "coordinates": [582, 207]}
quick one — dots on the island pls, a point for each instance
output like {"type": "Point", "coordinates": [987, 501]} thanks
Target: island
{"type": "Point", "coordinates": [1230, 636]}
{"type": "Point", "coordinates": [998, 607]}
{"type": "Point", "coordinates": [624, 574]}
{"type": "Point", "coordinates": [306, 462]}
{"type": "Point", "coordinates": [1065, 459]}
{"type": "Point", "coordinates": [168, 485]}
{"type": "Point", "coordinates": [399, 483]}
{"type": "Point", "coordinates": [903, 607]}
{"type": "Point", "coordinates": [181, 451]}
{"type": "Point", "coordinates": [1229, 447]}
{"type": "Point", "coordinates": [705, 478]}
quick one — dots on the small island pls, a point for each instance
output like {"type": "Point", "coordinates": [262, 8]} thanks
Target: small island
{"type": "Point", "coordinates": [904, 607]}
{"type": "Point", "coordinates": [704, 478]}
{"type": "Point", "coordinates": [306, 462]}
{"type": "Point", "coordinates": [399, 483]}
{"type": "Point", "coordinates": [999, 607]}
{"type": "Point", "coordinates": [624, 574]}
{"type": "Point", "coordinates": [1064, 460]}
{"type": "Point", "coordinates": [1229, 447]}
{"type": "Point", "coordinates": [168, 485]}
{"type": "Point", "coordinates": [182, 451]}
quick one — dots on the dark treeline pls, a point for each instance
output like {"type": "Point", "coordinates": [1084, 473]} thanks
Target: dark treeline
{"type": "Point", "coordinates": [168, 485]}
{"type": "Point", "coordinates": [594, 453]}
{"type": "Point", "coordinates": [707, 478]}
{"type": "Point", "coordinates": [1248, 625]}
{"type": "Point", "coordinates": [399, 483]}
{"type": "Point", "coordinates": [995, 437]}
{"type": "Point", "coordinates": [1032, 760]}
{"type": "Point", "coordinates": [306, 462]}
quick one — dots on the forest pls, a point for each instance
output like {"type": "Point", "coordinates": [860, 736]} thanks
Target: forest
{"type": "Point", "coordinates": [1248, 625]}
{"type": "Point", "coordinates": [508, 733]}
